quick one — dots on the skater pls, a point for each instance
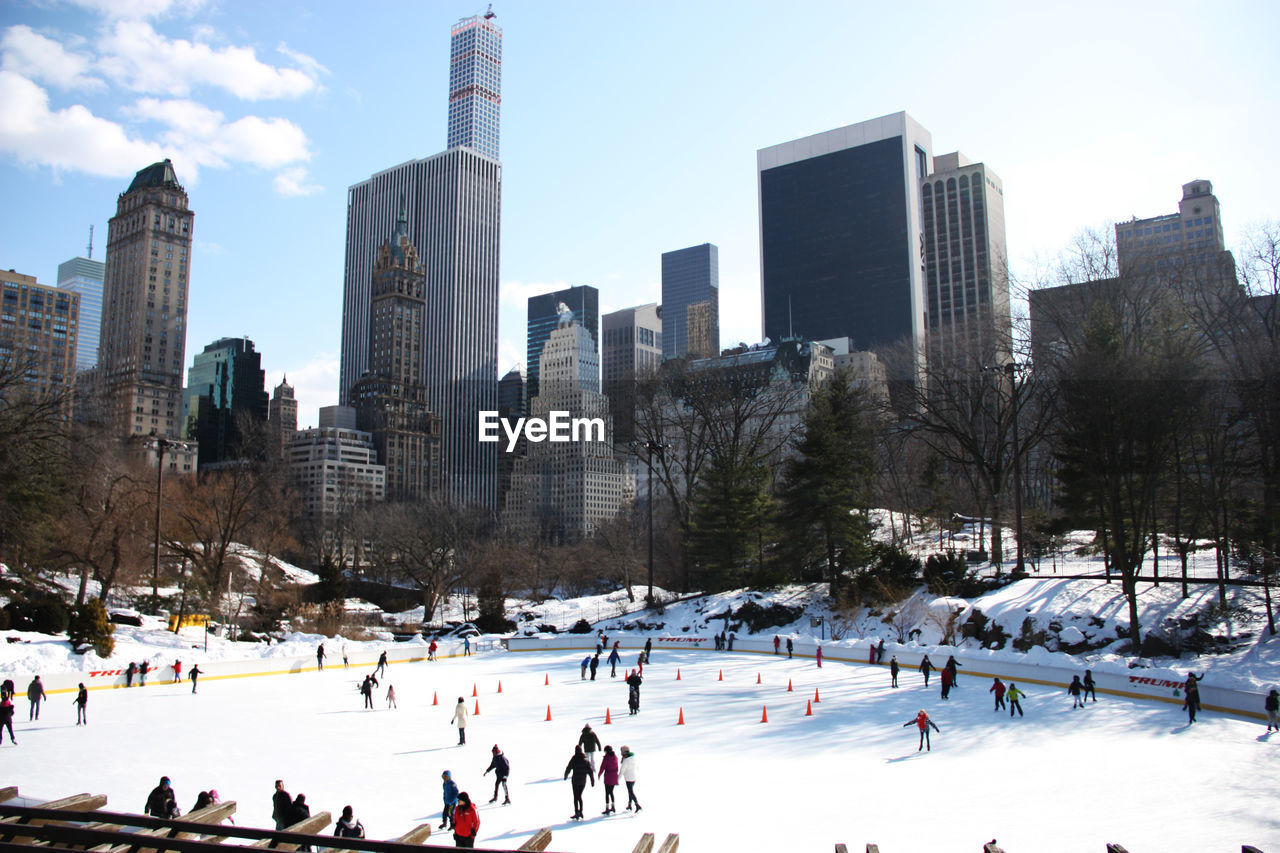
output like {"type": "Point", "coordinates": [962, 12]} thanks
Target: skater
{"type": "Point", "coordinates": [894, 669]}
{"type": "Point", "coordinates": [366, 690]}
{"type": "Point", "coordinates": [1014, 695]}
{"type": "Point", "coordinates": [922, 722]}
{"type": "Point", "coordinates": [581, 771]}
{"type": "Point", "coordinates": [590, 744]}
{"type": "Point", "coordinates": [460, 717]}
{"type": "Point", "coordinates": [629, 776]}
{"type": "Point", "coordinates": [177, 672]}
{"type": "Point", "coordinates": [391, 696]}
{"type": "Point", "coordinates": [945, 678]}
{"type": "Point", "coordinates": [648, 647]}
{"type": "Point", "coordinates": [194, 675]}
{"type": "Point", "coordinates": [777, 641]}
{"type": "Point", "coordinates": [320, 657]}
{"type": "Point", "coordinates": [281, 802]}
{"type": "Point", "coordinates": [1088, 686]}
{"type": "Point", "coordinates": [346, 664]}
{"type": "Point", "coordinates": [82, 706]}
{"type": "Point", "coordinates": [6, 719]}
{"type": "Point", "coordinates": [609, 776]}
{"type": "Point", "coordinates": [1192, 695]}
{"type": "Point", "coordinates": [633, 694]}
{"type": "Point", "coordinates": [613, 660]}
{"type": "Point", "coordinates": [997, 687]}
{"type": "Point", "coordinates": [790, 647]}
{"type": "Point", "coordinates": [298, 812]}
{"type": "Point", "coordinates": [129, 672]}
{"type": "Point", "coordinates": [880, 651]}
{"type": "Point", "coordinates": [1272, 705]}
{"type": "Point", "coordinates": [348, 826]}
{"type": "Point", "coordinates": [1076, 689]}
{"type": "Point", "coordinates": [732, 637]}
{"type": "Point", "coordinates": [501, 768]}
{"type": "Point", "coordinates": [466, 822]}
{"type": "Point", "coordinates": [382, 663]}
{"type": "Point", "coordinates": [162, 802]}
{"type": "Point", "coordinates": [586, 662]}
{"type": "Point", "coordinates": [871, 655]}
{"type": "Point", "coordinates": [143, 669]}
{"type": "Point", "coordinates": [431, 650]}
{"type": "Point", "coordinates": [818, 655]}
{"type": "Point", "coordinates": [595, 664]}
{"type": "Point", "coordinates": [952, 667]}
{"type": "Point", "coordinates": [466, 646]}
{"type": "Point", "coordinates": [7, 689]}
{"type": "Point", "coordinates": [35, 695]}
{"type": "Point", "coordinates": [640, 661]}
{"type": "Point", "coordinates": [450, 792]}
{"type": "Point", "coordinates": [926, 666]}
{"type": "Point", "coordinates": [203, 800]}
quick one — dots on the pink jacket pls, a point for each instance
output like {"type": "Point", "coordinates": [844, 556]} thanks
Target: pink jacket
{"type": "Point", "coordinates": [609, 769]}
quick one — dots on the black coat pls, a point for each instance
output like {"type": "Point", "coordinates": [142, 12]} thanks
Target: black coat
{"type": "Point", "coordinates": [162, 802]}
{"type": "Point", "coordinates": [590, 741]}
{"type": "Point", "coordinates": [634, 681]}
{"type": "Point", "coordinates": [281, 802]}
{"type": "Point", "coordinates": [580, 769]}
{"type": "Point", "coordinates": [500, 766]}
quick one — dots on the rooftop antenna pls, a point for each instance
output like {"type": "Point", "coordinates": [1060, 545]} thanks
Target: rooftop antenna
{"type": "Point", "coordinates": [489, 14]}
{"type": "Point", "coordinates": [90, 242]}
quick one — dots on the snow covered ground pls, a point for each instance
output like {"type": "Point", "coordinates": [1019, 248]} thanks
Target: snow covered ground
{"type": "Point", "coordinates": [1057, 780]}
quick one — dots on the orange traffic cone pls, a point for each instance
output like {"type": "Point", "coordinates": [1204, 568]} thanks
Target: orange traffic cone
{"type": "Point", "coordinates": [476, 712]}
{"type": "Point", "coordinates": [434, 700]}
{"type": "Point", "coordinates": [764, 715]}
{"type": "Point", "coordinates": [815, 695]}
{"type": "Point", "coordinates": [548, 714]}
{"type": "Point", "coordinates": [473, 690]}
{"type": "Point", "coordinates": [788, 685]}
{"type": "Point", "coordinates": [808, 709]}
{"type": "Point", "coordinates": [677, 673]}
{"type": "Point", "coordinates": [680, 722]}
{"type": "Point", "coordinates": [499, 686]}
{"type": "Point", "coordinates": [757, 678]}
{"type": "Point", "coordinates": [546, 681]}
{"type": "Point", "coordinates": [607, 719]}
{"type": "Point", "coordinates": [721, 678]}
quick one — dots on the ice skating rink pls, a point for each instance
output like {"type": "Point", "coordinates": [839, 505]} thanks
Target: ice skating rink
{"type": "Point", "coordinates": [1056, 781]}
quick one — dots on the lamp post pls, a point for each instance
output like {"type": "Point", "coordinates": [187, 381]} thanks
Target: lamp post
{"type": "Point", "coordinates": [651, 447]}
{"type": "Point", "coordinates": [161, 446]}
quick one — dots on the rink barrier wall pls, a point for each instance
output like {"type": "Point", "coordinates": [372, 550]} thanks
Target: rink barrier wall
{"type": "Point", "coordinates": [219, 670]}
{"type": "Point", "coordinates": [1152, 685]}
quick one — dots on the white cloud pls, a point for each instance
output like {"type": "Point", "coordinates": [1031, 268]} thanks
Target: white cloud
{"type": "Point", "coordinates": [510, 354]}
{"type": "Point", "coordinates": [73, 138]}
{"type": "Point", "coordinates": [295, 181]}
{"type": "Point", "coordinates": [134, 55]}
{"type": "Point", "coordinates": [518, 292]}
{"type": "Point", "coordinates": [138, 9]}
{"type": "Point", "coordinates": [204, 136]}
{"type": "Point", "coordinates": [308, 64]}
{"type": "Point", "coordinates": [36, 57]}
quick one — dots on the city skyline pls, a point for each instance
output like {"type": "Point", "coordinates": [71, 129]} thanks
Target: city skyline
{"type": "Point", "coordinates": [270, 113]}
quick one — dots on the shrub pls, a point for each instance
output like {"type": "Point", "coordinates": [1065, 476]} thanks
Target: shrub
{"type": "Point", "coordinates": [90, 628]}
{"type": "Point", "coordinates": [582, 626]}
{"type": "Point", "coordinates": [42, 613]}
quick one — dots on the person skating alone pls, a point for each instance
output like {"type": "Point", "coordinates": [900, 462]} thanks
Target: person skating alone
{"type": "Point", "coordinates": [923, 723]}
{"type": "Point", "coordinates": [997, 687]}
{"type": "Point", "coordinates": [595, 664]}
{"type": "Point", "coordinates": [628, 769]}
{"type": "Point", "coordinates": [466, 646]}
{"type": "Point", "coordinates": [35, 695]}
{"type": "Point", "coordinates": [648, 648]}
{"type": "Point", "coordinates": [1088, 685]}
{"type": "Point", "coordinates": [1014, 695]}
{"type": "Point", "coordinates": [346, 662]}
{"type": "Point", "coordinates": [581, 771]}
{"type": "Point", "coordinates": [366, 690]}
{"type": "Point", "coordinates": [590, 743]}
{"type": "Point", "coordinates": [609, 776]}
{"type": "Point", "coordinates": [320, 657]}
{"type": "Point", "coordinates": [466, 822]}
{"type": "Point", "coordinates": [633, 692]}
{"type": "Point", "coordinates": [382, 664]}
{"type": "Point", "coordinates": [391, 696]}
{"type": "Point", "coordinates": [177, 672]}
{"type": "Point", "coordinates": [281, 802]}
{"type": "Point", "coordinates": [1272, 705]}
{"type": "Point", "coordinates": [1191, 692]}
{"type": "Point", "coordinates": [82, 706]}
{"type": "Point", "coordinates": [1076, 690]}
{"type": "Point", "coordinates": [162, 802]}
{"type": "Point", "coordinates": [586, 662]}
{"type": "Point", "coordinates": [777, 641]}
{"type": "Point", "coordinates": [6, 719]}
{"type": "Point", "coordinates": [129, 672]}
{"type": "Point", "coordinates": [449, 790]}
{"type": "Point", "coordinates": [818, 656]}
{"type": "Point", "coordinates": [926, 666]}
{"type": "Point", "coordinates": [791, 646]}
{"type": "Point", "coordinates": [194, 675]}
{"type": "Point", "coordinates": [894, 669]}
{"type": "Point", "coordinates": [460, 719]}
{"type": "Point", "coordinates": [501, 768]}
{"type": "Point", "coordinates": [613, 660]}
{"type": "Point", "coordinates": [348, 826]}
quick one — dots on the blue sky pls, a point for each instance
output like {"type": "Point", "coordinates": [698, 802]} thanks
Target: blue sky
{"type": "Point", "coordinates": [627, 130]}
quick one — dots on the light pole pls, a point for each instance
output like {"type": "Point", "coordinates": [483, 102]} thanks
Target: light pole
{"type": "Point", "coordinates": [161, 446]}
{"type": "Point", "coordinates": [651, 447]}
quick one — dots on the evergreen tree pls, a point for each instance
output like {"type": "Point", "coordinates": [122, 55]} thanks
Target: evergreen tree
{"type": "Point", "coordinates": [91, 627]}
{"type": "Point", "coordinates": [729, 522]}
{"type": "Point", "coordinates": [827, 484]}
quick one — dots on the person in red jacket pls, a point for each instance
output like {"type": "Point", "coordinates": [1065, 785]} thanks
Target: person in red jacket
{"type": "Point", "coordinates": [946, 683]}
{"type": "Point", "coordinates": [923, 723]}
{"type": "Point", "coordinates": [998, 688]}
{"type": "Point", "coordinates": [466, 822]}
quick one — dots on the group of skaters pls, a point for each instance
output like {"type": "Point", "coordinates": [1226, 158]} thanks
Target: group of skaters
{"type": "Point", "coordinates": [613, 767]}
{"type": "Point", "coordinates": [141, 670]}
{"type": "Point", "coordinates": [35, 696]}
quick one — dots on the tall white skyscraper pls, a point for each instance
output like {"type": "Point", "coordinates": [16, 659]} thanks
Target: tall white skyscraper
{"type": "Point", "coordinates": [452, 202]}
{"type": "Point", "coordinates": [85, 276]}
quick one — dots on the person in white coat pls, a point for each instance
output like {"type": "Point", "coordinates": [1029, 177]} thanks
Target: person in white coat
{"type": "Point", "coordinates": [629, 776]}
{"type": "Point", "coordinates": [460, 718]}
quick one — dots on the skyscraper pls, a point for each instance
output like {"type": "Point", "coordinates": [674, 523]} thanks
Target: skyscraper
{"type": "Point", "coordinates": [544, 316]}
{"type": "Point", "coordinates": [840, 251]}
{"type": "Point", "coordinates": [475, 84]}
{"type": "Point", "coordinates": [631, 348]}
{"type": "Point", "coordinates": [144, 305]}
{"type": "Point", "coordinates": [390, 399]}
{"type": "Point", "coordinates": [691, 302]}
{"type": "Point", "coordinates": [452, 202]}
{"type": "Point", "coordinates": [225, 386]}
{"type": "Point", "coordinates": [38, 334]}
{"type": "Point", "coordinates": [84, 276]}
{"type": "Point", "coordinates": [282, 414]}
